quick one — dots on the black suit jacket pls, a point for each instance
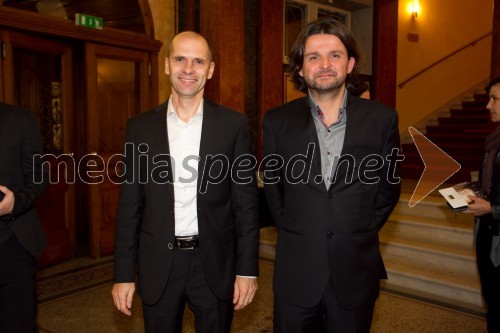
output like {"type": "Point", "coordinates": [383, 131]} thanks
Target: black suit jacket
{"type": "Point", "coordinates": [227, 210]}
{"type": "Point", "coordinates": [23, 175]}
{"type": "Point", "coordinates": [492, 220]}
{"type": "Point", "coordinates": [332, 233]}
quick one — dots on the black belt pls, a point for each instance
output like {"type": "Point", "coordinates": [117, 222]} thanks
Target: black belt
{"type": "Point", "coordinates": [187, 242]}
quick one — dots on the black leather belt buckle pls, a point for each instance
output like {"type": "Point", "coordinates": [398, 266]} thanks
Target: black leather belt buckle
{"type": "Point", "coordinates": [187, 242]}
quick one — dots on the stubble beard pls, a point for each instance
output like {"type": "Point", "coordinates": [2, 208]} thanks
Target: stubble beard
{"type": "Point", "coordinates": [325, 88]}
{"type": "Point", "coordinates": [322, 89]}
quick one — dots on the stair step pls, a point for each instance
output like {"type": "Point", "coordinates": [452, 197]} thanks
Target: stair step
{"type": "Point", "coordinates": [432, 279]}
{"type": "Point", "coordinates": [441, 140]}
{"type": "Point", "coordinates": [428, 251]}
{"type": "Point", "coordinates": [440, 301]}
{"type": "Point", "coordinates": [470, 112]}
{"type": "Point", "coordinates": [481, 108]}
{"type": "Point", "coordinates": [454, 152]}
{"type": "Point", "coordinates": [457, 232]}
{"type": "Point", "coordinates": [459, 128]}
{"type": "Point", "coordinates": [485, 120]}
{"type": "Point", "coordinates": [481, 95]}
{"type": "Point", "coordinates": [432, 206]}
{"type": "Point", "coordinates": [465, 117]}
{"type": "Point", "coordinates": [470, 162]}
{"type": "Point", "coordinates": [466, 279]}
{"type": "Point", "coordinates": [412, 171]}
{"type": "Point", "coordinates": [476, 103]}
{"type": "Point", "coordinates": [409, 152]}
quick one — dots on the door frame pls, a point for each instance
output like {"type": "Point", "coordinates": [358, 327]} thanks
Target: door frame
{"type": "Point", "coordinates": [14, 20]}
{"type": "Point", "coordinates": [10, 41]}
{"type": "Point", "coordinates": [95, 192]}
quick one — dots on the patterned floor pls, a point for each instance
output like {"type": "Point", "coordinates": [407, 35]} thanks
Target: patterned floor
{"type": "Point", "coordinates": [75, 297]}
{"type": "Point", "coordinates": [57, 285]}
{"type": "Point", "coordinates": [79, 300]}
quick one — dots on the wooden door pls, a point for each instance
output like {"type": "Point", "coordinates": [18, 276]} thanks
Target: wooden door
{"type": "Point", "coordinates": [37, 75]}
{"type": "Point", "coordinates": [118, 86]}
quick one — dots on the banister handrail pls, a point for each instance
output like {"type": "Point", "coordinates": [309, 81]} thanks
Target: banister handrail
{"type": "Point", "coordinates": [473, 43]}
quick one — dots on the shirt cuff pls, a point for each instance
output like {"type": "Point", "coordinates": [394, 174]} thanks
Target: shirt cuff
{"type": "Point", "coordinates": [244, 276]}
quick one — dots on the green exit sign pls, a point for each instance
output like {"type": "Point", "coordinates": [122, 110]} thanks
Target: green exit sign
{"type": "Point", "coordinates": [88, 21]}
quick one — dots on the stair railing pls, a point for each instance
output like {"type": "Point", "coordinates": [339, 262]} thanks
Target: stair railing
{"type": "Point", "coordinates": [471, 44]}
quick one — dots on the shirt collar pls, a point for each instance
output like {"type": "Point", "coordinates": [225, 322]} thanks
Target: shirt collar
{"type": "Point", "coordinates": [171, 110]}
{"type": "Point", "coordinates": [314, 106]}
{"type": "Point", "coordinates": [318, 113]}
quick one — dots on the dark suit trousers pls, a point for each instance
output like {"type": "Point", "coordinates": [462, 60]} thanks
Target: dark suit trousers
{"type": "Point", "coordinates": [17, 288]}
{"type": "Point", "coordinates": [187, 284]}
{"type": "Point", "coordinates": [328, 316]}
{"type": "Point", "coordinates": [490, 277]}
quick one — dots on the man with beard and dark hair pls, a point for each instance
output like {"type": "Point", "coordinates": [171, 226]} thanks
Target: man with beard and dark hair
{"type": "Point", "coordinates": [328, 262]}
{"type": "Point", "coordinates": [487, 212]}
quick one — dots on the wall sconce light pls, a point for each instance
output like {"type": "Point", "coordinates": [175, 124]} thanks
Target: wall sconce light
{"type": "Point", "coordinates": [414, 8]}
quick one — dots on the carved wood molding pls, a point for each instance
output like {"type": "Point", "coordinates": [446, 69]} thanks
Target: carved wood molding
{"type": "Point", "coordinates": [37, 23]}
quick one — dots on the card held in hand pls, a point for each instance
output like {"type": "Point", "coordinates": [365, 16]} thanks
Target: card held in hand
{"type": "Point", "coordinates": [456, 195]}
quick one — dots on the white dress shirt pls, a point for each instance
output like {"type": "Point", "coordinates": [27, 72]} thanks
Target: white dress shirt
{"type": "Point", "coordinates": [184, 142]}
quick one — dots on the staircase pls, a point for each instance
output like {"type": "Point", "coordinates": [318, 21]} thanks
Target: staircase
{"type": "Point", "coordinates": [429, 253]}
{"type": "Point", "coordinates": [460, 133]}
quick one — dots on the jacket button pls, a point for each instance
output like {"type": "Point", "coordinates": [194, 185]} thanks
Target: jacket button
{"type": "Point", "coordinates": [172, 212]}
{"type": "Point", "coordinates": [170, 246]}
{"type": "Point", "coordinates": [329, 234]}
{"type": "Point", "coordinates": [329, 195]}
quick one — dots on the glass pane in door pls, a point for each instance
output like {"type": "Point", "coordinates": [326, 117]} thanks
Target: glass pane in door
{"type": "Point", "coordinates": [40, 80]}
{"type": "Point", "coordinates": [295, 19]}
{"type": "Point", "coordinates": [118, 92]}
{"type": "Point", "coordinates": [341, 17]}
{"type": "Point", "coordinates": [37, 86]}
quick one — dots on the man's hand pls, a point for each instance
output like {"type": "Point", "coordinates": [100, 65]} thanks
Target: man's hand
{"type": "Point", "coordinates": [123, 293]}
{"type": "Point", "coordinates": [244, 291]}
{"type": "Point", "coordinates": [479, 206]}
{"type": "Point", "coordinates": [7, 203]}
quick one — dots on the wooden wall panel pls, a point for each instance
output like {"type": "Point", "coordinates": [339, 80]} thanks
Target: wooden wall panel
{"type": "Point", "coordinates": [270, 68]}
{"type": "Point", "coordinates": [221, 23]}
{"type": "Point", "coordinates": [495, 45]}
{"type": "Point", "coordinates": [385, 50]}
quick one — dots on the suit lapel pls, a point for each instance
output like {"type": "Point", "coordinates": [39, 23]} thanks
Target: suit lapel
{"type": "Point", "coordinates": [349, 128]}
{"type": "Point", "coordinates": [350, 132]}
{"type": "Point", "coordinates": [312, 136]}
{"type": "Point", "coordinates": [159, 127]}
{"type": "Point", "coordinates": [209, 132]}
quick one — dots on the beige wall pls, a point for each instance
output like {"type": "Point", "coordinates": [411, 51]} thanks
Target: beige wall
{"type": "Point", "coordinates": [442, 26]}
{"type": "Point", "coordinates": [163, 12]}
